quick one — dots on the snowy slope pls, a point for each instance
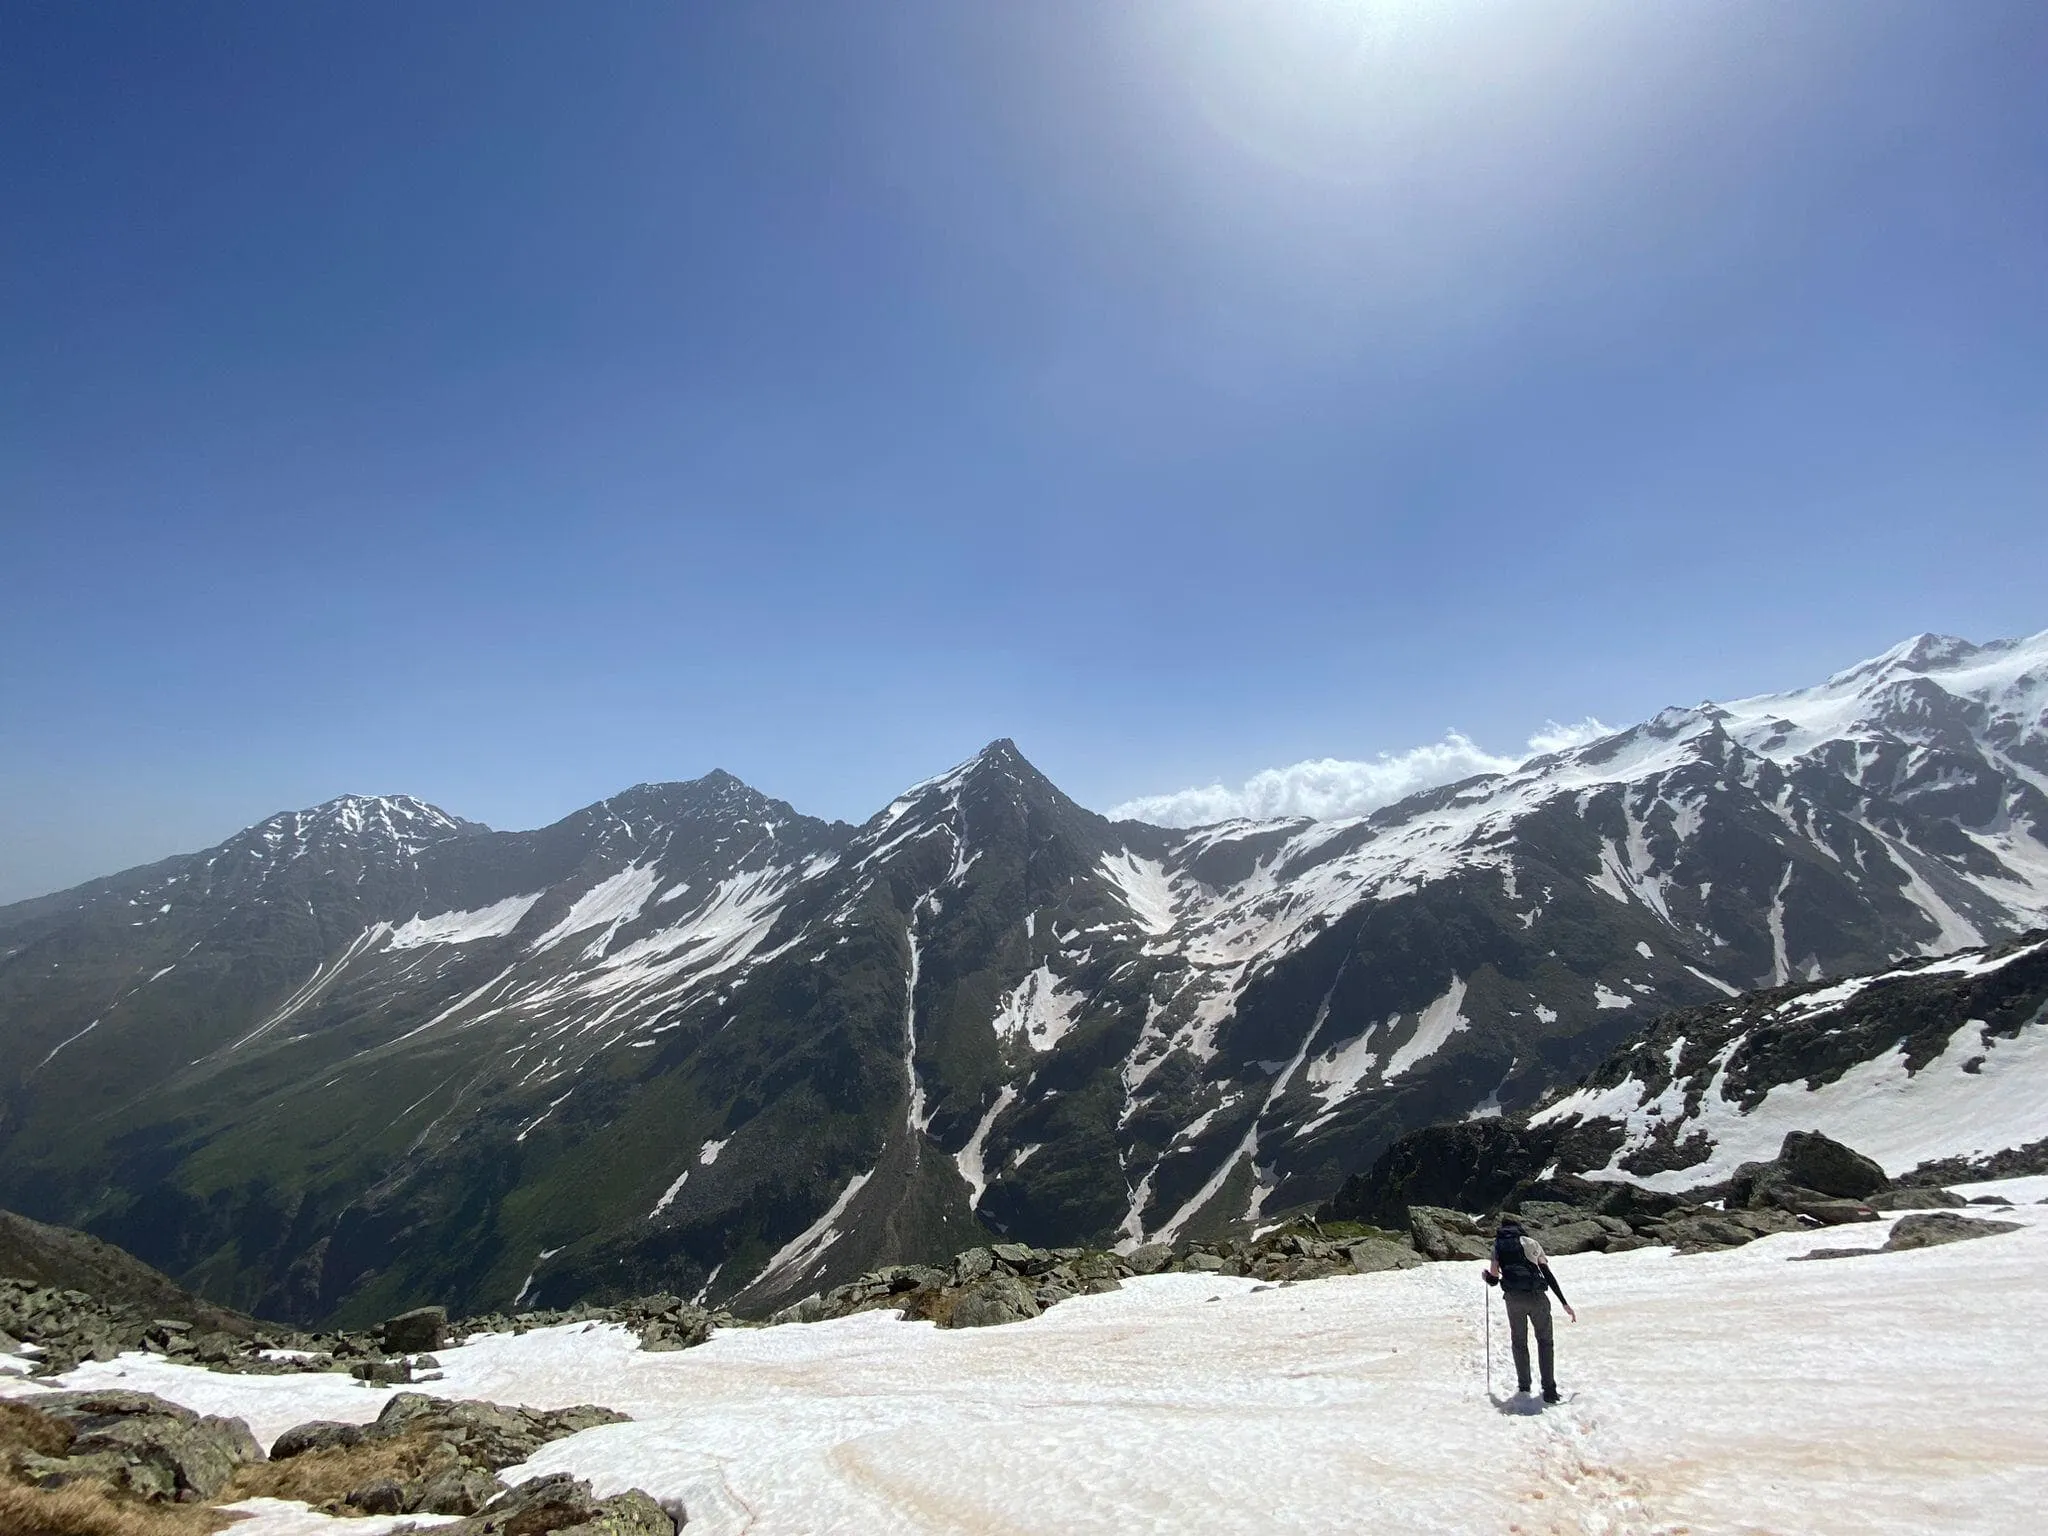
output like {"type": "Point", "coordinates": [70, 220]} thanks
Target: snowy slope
{"type": "Point", "coordinates": [1186, 1403]}
{"type": "Point", "coordinates": [1920, 1063]}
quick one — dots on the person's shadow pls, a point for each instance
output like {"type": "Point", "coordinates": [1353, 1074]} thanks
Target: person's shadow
{"type": "Point", "coordinates": [1521, 1405]}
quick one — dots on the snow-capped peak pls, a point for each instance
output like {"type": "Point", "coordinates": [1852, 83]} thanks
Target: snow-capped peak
{"type": "Point", "coordinates": [396, 822]}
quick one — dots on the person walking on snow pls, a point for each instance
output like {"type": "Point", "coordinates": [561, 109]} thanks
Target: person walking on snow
{"type": "Point", "coordinates": [1522, 1272]}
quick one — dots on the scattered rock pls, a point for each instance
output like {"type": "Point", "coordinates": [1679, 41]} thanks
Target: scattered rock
{"type": "Point", "coordinates": [422, 1455]}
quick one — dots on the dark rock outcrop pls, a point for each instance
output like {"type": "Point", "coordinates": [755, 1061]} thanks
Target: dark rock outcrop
{"type": "Point", "coordinates": [1821, 1163]}
{"type": "Point", "coordinates": [421, 1330]}
{"type": "Point", "coordinates": [1471, 1165]}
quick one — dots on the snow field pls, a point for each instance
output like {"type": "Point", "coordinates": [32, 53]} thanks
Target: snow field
{"type": "Point", "coordinates": [1720, 1392]}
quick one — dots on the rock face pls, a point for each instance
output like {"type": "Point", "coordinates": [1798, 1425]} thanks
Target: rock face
{"type": "Point", "coordinates": [142, 1446]}
{"type": "Point", "coordinates": [1469, 1165]}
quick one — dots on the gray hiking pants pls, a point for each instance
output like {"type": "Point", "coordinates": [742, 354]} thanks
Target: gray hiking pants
{"type": "Point", "coordinates": [1526, 1308]}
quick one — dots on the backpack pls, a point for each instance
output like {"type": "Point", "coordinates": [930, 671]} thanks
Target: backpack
{"type": "Point", "coordinates": [1516, 1272]}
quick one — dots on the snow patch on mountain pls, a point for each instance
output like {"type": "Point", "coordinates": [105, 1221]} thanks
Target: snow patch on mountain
{"type": "Point", "coordinates": [1145, 888]}
{"type": "Point", "coordinates": [492, 922]}
{"type": "Point", "coordinates": [1038, 1009]}
{"type": "Point", "coordinates": [1439, 1021]}
{"type": "Point", "coordinates": [615, 900]}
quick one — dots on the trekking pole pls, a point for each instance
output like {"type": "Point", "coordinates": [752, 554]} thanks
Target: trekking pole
{"type": "Point", "coordinates": [1486, 1302]}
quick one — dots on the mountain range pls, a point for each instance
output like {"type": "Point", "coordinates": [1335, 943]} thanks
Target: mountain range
{"type": "Point", "coordinates": [371, 1054]}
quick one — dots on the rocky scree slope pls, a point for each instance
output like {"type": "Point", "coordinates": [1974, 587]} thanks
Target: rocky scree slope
{"type": "Point", "coordinates": [688, 1039]}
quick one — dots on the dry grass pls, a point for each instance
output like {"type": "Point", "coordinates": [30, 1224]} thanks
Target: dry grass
{"type": "Point", "coordinates": [83, 1509]}
{"type": "Point", "coordinates": [323, 1477]}
{"type": "Point", "coordinates": [23, 1428]}
{"type": "Point", "coordinates": [79, 1509]}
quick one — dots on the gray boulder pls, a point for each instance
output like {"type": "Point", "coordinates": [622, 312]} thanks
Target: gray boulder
{"type": "Point", "coordinates": [421, 1330]}
{"type": "Point", "coordinates": [561, 1505]}
{"type": "Point", "coordinates": [992, 1300]}
{"type": "Point", "coordinates": [145, 1446]}
{"type": "Point", "coordinates": [1149, 1259]}
{"type": "Point", "coordinates": [1825, 1209]}
{"type": "Point", "coordinates": [1923, 1198]}
{"type": "Point", "coordinates": [1443, 1235]}
{"type": "Point", "coordinates": [1821, 1163]}
{"type": "Point", "coordinates": [1929, 1229]}
{"type": "Point", "coordinates": [1375, 1255]}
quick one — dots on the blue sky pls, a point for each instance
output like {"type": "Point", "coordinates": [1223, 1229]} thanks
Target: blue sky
{"type": "Point", "coordinates": [505, 403]}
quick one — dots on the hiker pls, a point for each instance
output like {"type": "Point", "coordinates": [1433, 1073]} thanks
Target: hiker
{"type": "Point", "coordinates": [1522, 1272]}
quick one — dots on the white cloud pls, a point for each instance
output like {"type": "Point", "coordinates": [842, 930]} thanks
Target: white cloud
{"type": "Point", "coordinates": [1328, 788]}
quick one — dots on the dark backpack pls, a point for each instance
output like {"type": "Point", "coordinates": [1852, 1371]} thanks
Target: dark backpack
{"type": "Point", "coordinates": [1516, 1272]}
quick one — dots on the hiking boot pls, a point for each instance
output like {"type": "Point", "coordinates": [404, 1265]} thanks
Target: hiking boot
{"type": "Point", "coordinates": [1551, 1394]}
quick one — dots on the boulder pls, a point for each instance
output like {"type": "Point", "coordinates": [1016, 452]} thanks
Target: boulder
{"type": "Point", "coordinates": [1149, 1259]}
{"type": "Point", "coordinates": [318, 1435]}
{"type": "Point", "coordinates": [1574, 1237]}
{"type": "Point", "coordinates": [382, 1373]}
{"type": "Point", "coordinates": [972, 1265]}
{"type": "Point", "coordinates": [1929, 1229]}
{"type": "Point", "coordinates": [563, 1504]}
{"type": "Point", "coordinates": [1443, 1234]}
{"type": "Point", "coordinates": [421, 1330]}
{"type": "Point", "coordinates": [145, 1446]}
{"type": "Point", "coordinates": [991, 1300]}
{"type": "Point", "coordinates": [1821, 1163]}
{"type": "Point", "coordinates": [1375, 1255]}
{"type": "Point", "coordinates": [1203, 1263]}
{"type": "Point", "coordinates": [1825, 1209]}
{"type": "Point", "coordinates": [1927, 1198]}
